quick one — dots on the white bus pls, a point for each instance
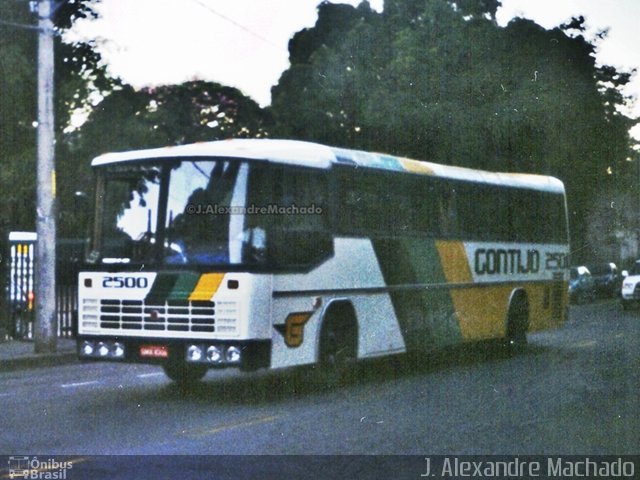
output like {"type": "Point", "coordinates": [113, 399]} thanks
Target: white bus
{"type": "Point", "coordinates": [277, 253]}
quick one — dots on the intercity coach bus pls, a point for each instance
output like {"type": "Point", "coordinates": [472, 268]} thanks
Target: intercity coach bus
{"type": "Point", "coordinates": [278, 253]}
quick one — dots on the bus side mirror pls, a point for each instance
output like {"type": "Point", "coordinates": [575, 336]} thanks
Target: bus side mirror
{"type": "Point", "coordinates": [81, 199]}
{"type": "Point", "coordinates": [82, 208]}
{"type": "Point", "coordinates": [83, 212]}
{"type": "Point", "coordinates": [624, 273]}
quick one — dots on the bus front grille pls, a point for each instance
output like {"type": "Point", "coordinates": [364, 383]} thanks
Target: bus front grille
{"type": "Point", "coordinates": [172, 316]}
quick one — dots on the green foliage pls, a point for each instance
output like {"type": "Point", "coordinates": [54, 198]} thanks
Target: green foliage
{"type": "Point", "coordinates": [613, 226]}
{"type": "Point", "coordinates": [167, 115]}
{"type": "Point", "coordinates": [479, 8]}
{"type": "Point", "coordinates": [125, 119]}
{"type": "Point", "coordinates": [129, 119]}
{"type": "Point", "coordinates": [17, 107]}
{"type": "Point", "coordinates": [441, 81]}
{"type": "Point", "coordinates": [77, 72]}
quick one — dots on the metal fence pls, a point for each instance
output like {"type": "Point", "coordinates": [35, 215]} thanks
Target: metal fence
{"type": "Point", "coordinates": [19, 299]}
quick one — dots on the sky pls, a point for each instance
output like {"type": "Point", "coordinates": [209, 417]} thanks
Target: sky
{"type": "Point", "coordinates": [243, 43]}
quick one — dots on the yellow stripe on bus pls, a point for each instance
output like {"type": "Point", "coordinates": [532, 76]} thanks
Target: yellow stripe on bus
{"type": "Point", "coordinates": [414, 166]}
{"type": "Point", "coordinates": [480, 310]}
{"type": "Point", "coordinates": [543, 315]}
{"type": "Point", "coordinates": [453, 259]}
{"type": "Point", "coordinates": [206, 287]}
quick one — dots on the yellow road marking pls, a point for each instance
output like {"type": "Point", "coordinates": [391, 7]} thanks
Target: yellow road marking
{"type": "Point", "coordinates": [589, 343]}
{"type": "Point", "coordinates": [198, 433]}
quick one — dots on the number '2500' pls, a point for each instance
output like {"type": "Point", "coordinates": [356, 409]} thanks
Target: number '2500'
{"type": "Point", "coordinates": [125, 282]}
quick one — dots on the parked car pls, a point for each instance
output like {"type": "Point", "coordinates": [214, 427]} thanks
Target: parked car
{"type": "Point", "coordinates": [630, 292]}
{"type": "Point", "coordinates": [581, 285]}
{"type": "Point", "coordinates": [606, 279]}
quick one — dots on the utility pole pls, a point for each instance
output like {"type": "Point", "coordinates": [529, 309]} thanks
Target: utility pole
{"type": "Point", "coordinates": [46, 323]}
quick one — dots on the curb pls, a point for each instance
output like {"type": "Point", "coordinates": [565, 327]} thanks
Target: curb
{"type": "Point", "coordinates": [37, 361]}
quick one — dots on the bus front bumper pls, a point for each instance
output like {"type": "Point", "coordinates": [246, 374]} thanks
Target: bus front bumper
{"type": "Point", "coordinates": [246, 354]}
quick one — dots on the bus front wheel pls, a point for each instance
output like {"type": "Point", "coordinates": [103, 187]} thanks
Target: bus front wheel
{"type": "Point", "coordinates": [338, 348]}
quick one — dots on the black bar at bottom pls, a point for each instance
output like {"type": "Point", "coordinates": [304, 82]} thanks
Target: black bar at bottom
{"type": "Point", "coordinates": [68, 467]}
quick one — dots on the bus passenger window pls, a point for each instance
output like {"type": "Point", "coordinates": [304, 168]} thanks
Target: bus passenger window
{"type": "Point", "coordinates": [447, 213]}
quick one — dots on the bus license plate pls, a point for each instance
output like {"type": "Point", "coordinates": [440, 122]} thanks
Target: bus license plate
{"type": "Point", "coordinates": [154, 351]}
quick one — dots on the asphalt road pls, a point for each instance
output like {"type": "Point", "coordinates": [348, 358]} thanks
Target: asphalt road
{"type": "Point", "coordinates": [575, 390]}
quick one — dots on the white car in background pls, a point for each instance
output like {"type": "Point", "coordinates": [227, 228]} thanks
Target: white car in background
{"type": "Point", "coordinates": [630, 294]}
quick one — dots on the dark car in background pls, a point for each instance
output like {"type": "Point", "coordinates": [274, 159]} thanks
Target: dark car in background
{"type": "Point", "coordinates": [581, 286]}
{"type": "Point", "coordinates": [606, 279]}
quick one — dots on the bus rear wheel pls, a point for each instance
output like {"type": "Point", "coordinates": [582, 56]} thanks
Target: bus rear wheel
{"type": "Point", "coordinates": [183, 373]}
{"type": "Point", "coordinates": [517, 324]}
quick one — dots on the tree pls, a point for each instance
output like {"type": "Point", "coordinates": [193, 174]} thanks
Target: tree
{"type": "Point", "coordinates": [128, 119]}
{"type": "Point", "coordinates": [167, 115]}
{"type": "Point", "coordinates": [324, 73]}
{"type": "Point", "coordinates": [17, 104]}
{"type": "Point", "coordinates": [441, 81]}
{"type": "Point", "coordinates": [614, 227]}
{"type": "Point", "coordinates": [78, 71]}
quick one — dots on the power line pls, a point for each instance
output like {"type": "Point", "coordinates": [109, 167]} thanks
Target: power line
{"type": "Point", "coordinates": [33, 7]}
{"type": "Point", "coordinates": [19, 25]}
{"type": "Point", "coordinates": [240, 26]}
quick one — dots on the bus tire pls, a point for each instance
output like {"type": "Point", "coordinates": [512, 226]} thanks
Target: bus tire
{"type": "Point", "coordinates": [183, 373]}
{"type": "Point", "coordinates": [338, 346]}
{"type": "Point", "coordinates": [517, 323]}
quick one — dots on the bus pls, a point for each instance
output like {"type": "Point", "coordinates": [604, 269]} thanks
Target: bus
{"type": "Point", "coordinates": [262, 253]}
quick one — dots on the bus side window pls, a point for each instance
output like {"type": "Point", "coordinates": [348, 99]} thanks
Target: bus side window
{"type": "Point", "coordinates": [302, 191]}
{"type": "Point", "coordinates": [295, 197]}
{"type": "Point", "coordinates": [528, 218]}
{"type": "Point", "coordinates": [426, 207]}
{"type": "Point", "coordinates": [447, 211]}
{"type": "Point", "coordinates": [469, 224]}
{"type": "Point", "coordinates": [360, 208]}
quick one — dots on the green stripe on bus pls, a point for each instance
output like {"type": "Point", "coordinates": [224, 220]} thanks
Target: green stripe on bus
{"type": "Point", "coordinates": [440, 314]}
{"type": "Point", "coordinates": [427, 317]}
{"type": "Point", "coordinates": [161, 288]}
{"type": "Point", "coordinates": [184, 285]}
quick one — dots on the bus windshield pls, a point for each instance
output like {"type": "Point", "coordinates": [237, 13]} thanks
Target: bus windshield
{"type": "Point", "coordinates": [195, 212]}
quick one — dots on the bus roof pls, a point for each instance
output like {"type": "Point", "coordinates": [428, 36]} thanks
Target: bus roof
{"type": "Point", "coordinates": [294, 152]}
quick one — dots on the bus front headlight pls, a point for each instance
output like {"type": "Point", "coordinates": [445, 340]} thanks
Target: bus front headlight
{"type": "Point", "coordinates": [214, 354]}
{"type": "Point", "coordinates": [194, 353]}
{"type": "Point", "coordinates": [118, 350]}
{"type": "Point", "coordinates": [233, 354]}
{"type": "Point", "coordinates": [87, 349]}
{"type": "Point", "coordinates": [103, 349]}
